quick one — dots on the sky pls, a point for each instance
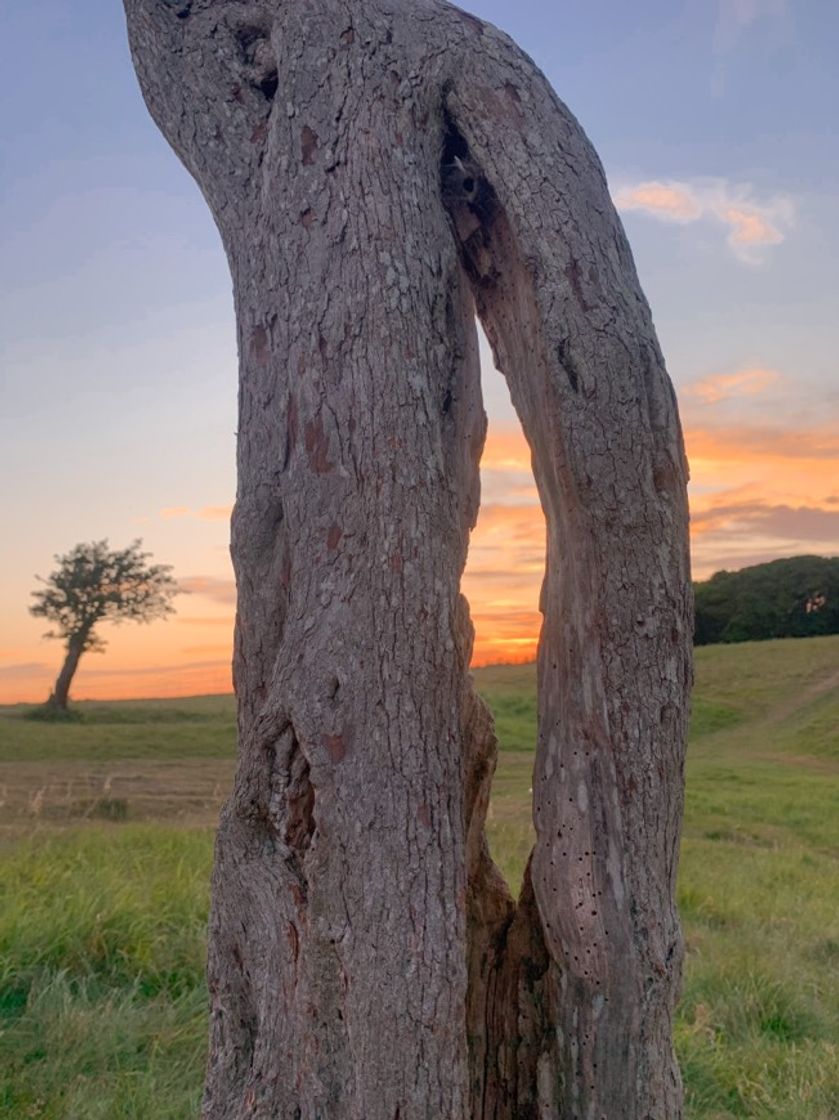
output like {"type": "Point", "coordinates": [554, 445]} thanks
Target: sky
{"type": "Point", "coordinates": [716, 123]}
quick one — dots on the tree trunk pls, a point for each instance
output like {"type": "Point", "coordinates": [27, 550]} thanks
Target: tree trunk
{"type": "Point", "coordinates": [378, 171]}
{"type": "Point", "coordinates": [61, 693]}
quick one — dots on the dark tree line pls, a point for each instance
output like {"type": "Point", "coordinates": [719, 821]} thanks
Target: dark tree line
{"type": "Point", "coordinates": [794, 598]}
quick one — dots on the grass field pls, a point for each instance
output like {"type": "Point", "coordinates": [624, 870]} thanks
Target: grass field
{"type": "Point", "coordinates": [106, 846]}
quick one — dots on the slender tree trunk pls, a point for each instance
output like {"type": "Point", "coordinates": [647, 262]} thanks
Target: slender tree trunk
{"type": "Point", "coordinates": [378, 170]}
{"type": "Point", "coordinates": [61, 692]}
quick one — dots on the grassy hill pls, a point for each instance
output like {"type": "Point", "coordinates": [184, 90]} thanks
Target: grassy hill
{"type": "Point", "coordinates": [106, 846]}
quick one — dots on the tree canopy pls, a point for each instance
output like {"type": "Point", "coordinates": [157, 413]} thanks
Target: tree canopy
{"type": "Point", "coordinates": [792, 598]}
{"type": "Point", "coordinates": [93, 583]}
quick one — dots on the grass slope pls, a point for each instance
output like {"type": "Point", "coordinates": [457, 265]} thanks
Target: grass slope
{"type": "Point", "coordinates": [102, 924]}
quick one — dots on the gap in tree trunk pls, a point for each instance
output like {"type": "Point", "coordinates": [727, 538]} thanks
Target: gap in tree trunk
{"type": "Point", "coordinates": [511, 1001]}
{"type": "Point", "coordinates": [502, 582]}
{"type": "Point", "coordinates": [506, 563]}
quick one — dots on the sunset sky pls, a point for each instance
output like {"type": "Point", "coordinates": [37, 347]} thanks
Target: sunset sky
{"type": "Point", "coordinates": [716, 123]}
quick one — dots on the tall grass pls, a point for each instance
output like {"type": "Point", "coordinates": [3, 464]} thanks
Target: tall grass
{"type": "Point", "coordinates": [102, 1000]}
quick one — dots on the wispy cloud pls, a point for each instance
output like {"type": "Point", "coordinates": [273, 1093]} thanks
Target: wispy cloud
{"type": "Point", "coordinates": [506, 474]}
{"type": "Point", "coordinates": [727, 532]}
{"type": "Point", "coordinates": [762, 445]}
{"type": "Point", "coordinates": [736, 19]}
{"type": "Point", "coordinates": [505, 635]}
{"type": "Point", "coordinates": [796, 524]}
{"type": "Point", "coordinates": [760, 490]}
{"type": "Point", "coordinates": [753, 224]}
{"type": "Point", "coordinates": [23, 669]}
{"type": "Point", "coordinates": [750, 227]}
{"type": "Point", "coordinates": [669, 201]}
{"type": "Point", "coordinates": [764, 470]}
{"type": "Point", "coordinates": [206, 513]}
{"type": "Point", "coordinates": [92, 672]}
{"type": "Point", "coordinates": [213, 620]}
{"type": "Point", "coordinates": [718, 387]}
{"type": "Point", "coordinates": [212, 587]}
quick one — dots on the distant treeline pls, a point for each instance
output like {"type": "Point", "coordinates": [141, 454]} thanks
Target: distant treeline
{"type": "Point", "coordinates": [795, 598]}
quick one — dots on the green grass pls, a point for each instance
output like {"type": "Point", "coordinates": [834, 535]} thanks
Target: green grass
{"type": "Point", "coordinates": [193, 727]}
{"type": "Point", "coordinates": [102, 999]}
{"type": "Point", "coordinates": [102, 925]}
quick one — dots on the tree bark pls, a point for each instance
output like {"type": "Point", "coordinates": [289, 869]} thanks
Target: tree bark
{"type": "Point", "coordinates": [378, 171]}
{"type": "Point", "coordinates": [60, 694]}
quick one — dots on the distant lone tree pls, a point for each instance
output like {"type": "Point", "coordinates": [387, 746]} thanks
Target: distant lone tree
{"type": "Point", "coordinates": [93, 584]}
{"type": "Point", "coordinates": [380, 171]}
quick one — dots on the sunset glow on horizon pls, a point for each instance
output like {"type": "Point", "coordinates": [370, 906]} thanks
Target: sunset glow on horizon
{"type": "Point", "coordinates": [757, 493]}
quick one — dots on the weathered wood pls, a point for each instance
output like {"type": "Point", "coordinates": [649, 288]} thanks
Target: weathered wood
{"type": "Point", "coordinates": [378, 171]}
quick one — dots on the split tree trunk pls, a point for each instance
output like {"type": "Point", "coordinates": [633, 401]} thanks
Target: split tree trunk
{"type": "Point", "coordinates": [378, 170]}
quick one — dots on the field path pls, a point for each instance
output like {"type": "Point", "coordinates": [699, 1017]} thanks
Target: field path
{"type": "Point", "coordinates": [63, 792]}
{"type": "Point", "coordinates": [812, 692]}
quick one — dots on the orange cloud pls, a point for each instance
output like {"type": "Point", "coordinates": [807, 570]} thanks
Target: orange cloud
{"type": "Point", "coordinates": [184, 678]}
{"type": "Point", "coordinates": [751, 501]}
{"type": "Point", "coordinates": [22, 669]}
{"type": "Point", "coordinates": [748, 227]}
{"type": "Point", "coordinates": [505, 635]}
{"type": "Point", "coordinates": [761, 519]}
{"type": "Point", "coordinates": [506, 559]}
{"type": "Point", "coordinates": [753, 225]}
{"type": "Point", "coordinates": [673, 202]}
{"type": "Point", "coordinates": [736, 534]}
{"type": "Point", "coordinates": [214, 620]}
{"type": "Point", "coordinates": [31, 682]}
{"type": "Point", "coordinates": [723, 386]}
{"type": "Point", "coordinates": [211, 587]}
{"type": "Point", "coordinates": [762, 446]}
{"type": "Point", "coordinates": [755, 492]}
{"type": "Point", "coordinates": [754, 497]}
{"type": "Point", "coordinates": [506, 449]}
{"type": "Point", "coordinates": [206, 513]}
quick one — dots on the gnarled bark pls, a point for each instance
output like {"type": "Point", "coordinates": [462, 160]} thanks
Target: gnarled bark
{"type": "Point", "coordinates": [378, 170]}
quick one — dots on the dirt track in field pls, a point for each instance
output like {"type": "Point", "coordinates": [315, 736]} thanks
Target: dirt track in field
{"type": "Point", "coordinates": [34, 794]}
